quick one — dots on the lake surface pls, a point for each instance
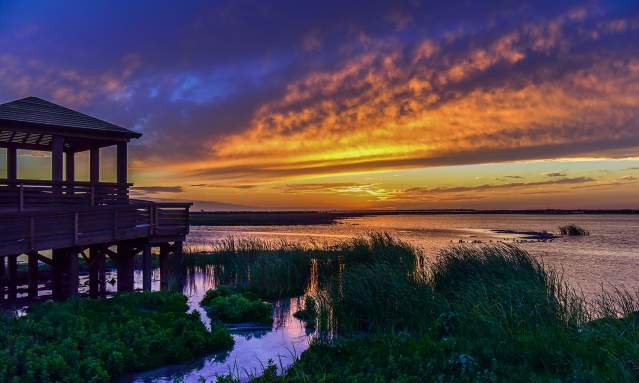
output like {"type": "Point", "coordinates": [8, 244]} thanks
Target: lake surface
{"type": "Point", "coordinates": [608, 257]}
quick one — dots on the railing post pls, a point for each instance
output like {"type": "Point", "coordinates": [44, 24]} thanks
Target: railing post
{"type": "Point", "coordinates": [92, 195]}
{"type": "Point", "coordinates": [115, 224]}
{"type": "Point", "coordinates": [21, 196]}
{"type": "Point", "coordinates": [151, 221]}
{"type": "Point", "coordinates": [76, 219]}
{"type": "Point", "coordinates": [31, 233]}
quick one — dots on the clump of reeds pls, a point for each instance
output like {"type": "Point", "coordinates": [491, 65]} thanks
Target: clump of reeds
{"type": "Point", "coordinates": [573, 230]}
{"type": "Point", "coordinates": [283, 269]}
{"type": "Point", "coordinates": [478, 314]}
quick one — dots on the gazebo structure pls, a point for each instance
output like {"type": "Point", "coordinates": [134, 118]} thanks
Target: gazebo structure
{"type": "Point", "coordinates": [72, 219]}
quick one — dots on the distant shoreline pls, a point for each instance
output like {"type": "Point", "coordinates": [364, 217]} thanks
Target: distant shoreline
{"type": "Point", "coordinates": [317, 217]}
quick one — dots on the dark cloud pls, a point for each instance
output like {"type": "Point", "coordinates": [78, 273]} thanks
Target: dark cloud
{"type": "Point", "coordinates": [555, 174]}
{"type": "Point", "coordinates": [157, 189]}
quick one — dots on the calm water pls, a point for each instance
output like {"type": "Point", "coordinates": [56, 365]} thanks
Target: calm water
{"type": "Point", "coordinates": [609, 256]}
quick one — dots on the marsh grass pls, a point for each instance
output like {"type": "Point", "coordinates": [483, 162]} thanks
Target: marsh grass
{"type": "Point", "coordinates": [573, 230]}
{"type": "Point", "coordinates": [284, 269]}
{"type": "Point", "coordinates": [477, 314]}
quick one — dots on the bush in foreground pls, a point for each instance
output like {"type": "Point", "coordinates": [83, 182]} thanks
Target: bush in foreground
{"type": "Point", "coordinates": [85, 340]}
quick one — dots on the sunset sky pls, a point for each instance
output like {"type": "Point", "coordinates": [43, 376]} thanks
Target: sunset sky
{"type": "Point", "coordinates": [346, 104]}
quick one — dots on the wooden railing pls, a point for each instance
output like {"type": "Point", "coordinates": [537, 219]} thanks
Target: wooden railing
{"type": "Point", "coordinates": [37, 194]}
{"type": "Point", "coordinates": [40, 230]}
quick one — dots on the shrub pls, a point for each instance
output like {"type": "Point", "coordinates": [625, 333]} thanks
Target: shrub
{"type": "Point", "coordinates": [225, 305]}
{"type": "Point", "coordinates": [86, 340]}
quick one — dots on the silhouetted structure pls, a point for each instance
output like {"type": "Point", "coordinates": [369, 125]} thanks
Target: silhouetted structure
{"type": "Point", "coordinates": [92, 219]}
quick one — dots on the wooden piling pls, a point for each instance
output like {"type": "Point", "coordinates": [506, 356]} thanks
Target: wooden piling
{"type": "Point", "coordinates": [97, 283]}
{"type": "Point", "coordinates": [73, 281]}
{"type": "Point", "coordinates": [147, 267]}
{"type": "Point", "coordinates": [12, 280]}
{"type": "Point", "coordinates": [164, 267]}
{"type": "Point", "coordinates": [3, 278]}
{"type": "Point", "coordinates": [64, 278]}
{"type": "Point", "coordinates": [125, 266]}
{"type": "Point", "coordinates": [33, 274]}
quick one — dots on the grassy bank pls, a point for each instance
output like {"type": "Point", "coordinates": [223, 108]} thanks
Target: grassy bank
{"type": "Point", "coordinates": [477, 314]}
{"type": "Point", "coordinates": [283, 269]}
{"type": "Point", "coordinates": [84, 340]}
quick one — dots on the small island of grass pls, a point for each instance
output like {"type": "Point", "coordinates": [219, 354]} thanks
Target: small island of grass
{"type": "Point", "coordinates": [573, 230]}
{"type": "Point", "coordinates": [233, 306]}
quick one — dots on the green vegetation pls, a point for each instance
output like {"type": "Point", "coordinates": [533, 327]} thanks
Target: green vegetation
{"type": "Point", "coordinates": [84, 340]}
{"type": "Point", "coordinates": [226, 305]}
{"type": "Point", "coordinates": [477, 314]}
{"type": "Point", "coordinates": [573, 230]}
{"type": "Point", "coordinates": [276, 270]}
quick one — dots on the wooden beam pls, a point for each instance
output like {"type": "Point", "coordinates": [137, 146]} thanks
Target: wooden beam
{"type": "Point", "coordinates": [43, 259]}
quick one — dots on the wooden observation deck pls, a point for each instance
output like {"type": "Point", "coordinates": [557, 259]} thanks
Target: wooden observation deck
{"type": "Point", "coordinates": [73, 219]}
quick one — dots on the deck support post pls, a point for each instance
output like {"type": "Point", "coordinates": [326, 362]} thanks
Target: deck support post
{"type": "Point", "coordinates": [12, 271]}
{"type": "Point", "coordinates": [12, 163]}
{"type": "Point", "coordinates": [125, 265]}
{"type": "Point", "coordinates": [147, 268]}
{"type": "Point", "coordinates": [74, 272]}
{"type": "Point", "coordinates": [164, 267]}
{"type": "Point", "coordinates": [97, 272]}
{"type": "Point", "coordinates": [33, 274]}
{"type": "Point", "coordinates": [70, 170]}
{"type": "Point", "coordinates": [64, 279]}
{"type": "Point", "coordinates": [2, 278]}
{"type": "Point", "coordinates": [57, 151]}
{"type": "Point", "coordinates": [121, 170]}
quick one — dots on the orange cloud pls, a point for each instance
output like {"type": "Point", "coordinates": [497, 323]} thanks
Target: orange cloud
{"type": "Point", "coordinates": [392, 107]}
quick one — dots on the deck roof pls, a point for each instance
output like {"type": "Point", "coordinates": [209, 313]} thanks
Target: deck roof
{"type": "Point", "coordinates": [34, 111]}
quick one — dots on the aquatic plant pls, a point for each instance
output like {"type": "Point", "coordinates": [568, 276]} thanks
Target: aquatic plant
{"type": "Point", "coordinates": [88, 340]}
{"type": "Point", "coordinates": [228, 306]}
{"type": "Point", "coordinates": [573, 230]}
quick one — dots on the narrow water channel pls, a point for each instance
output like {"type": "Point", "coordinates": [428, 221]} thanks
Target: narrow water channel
{"type": "Point", "coordinates": [254, 345]}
